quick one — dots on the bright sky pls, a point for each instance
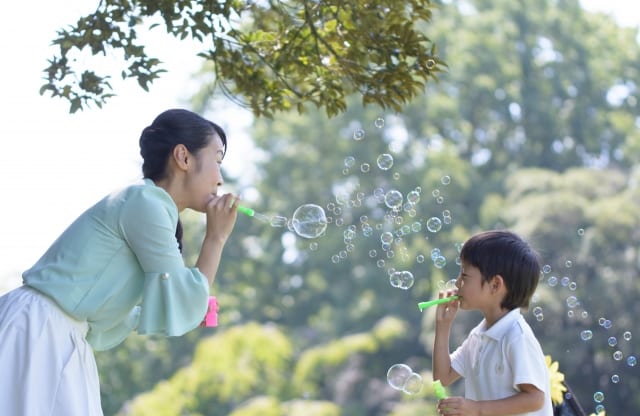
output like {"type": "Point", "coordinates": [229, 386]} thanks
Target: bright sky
{"type": "Point", "coordinates": [55, 165]}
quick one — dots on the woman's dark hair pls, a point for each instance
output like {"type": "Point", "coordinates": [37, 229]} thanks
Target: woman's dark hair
{"type": "Point", "coordinates": [506, 254]}
{"type": "Point", "coordinates": [169, 129]}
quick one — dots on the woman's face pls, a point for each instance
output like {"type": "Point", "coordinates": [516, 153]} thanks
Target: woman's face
{"type": "Point", "coordinates": [205, 177]}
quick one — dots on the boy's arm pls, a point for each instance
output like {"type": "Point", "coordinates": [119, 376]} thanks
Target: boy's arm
{"type": "Point", "coordinates": [529, 399]}
{"type": "Point", "coordinates": [441, 361]}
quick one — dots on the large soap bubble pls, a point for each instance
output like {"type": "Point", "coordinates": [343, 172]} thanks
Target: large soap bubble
{"type": "Point", "coordinates": [309, 221]}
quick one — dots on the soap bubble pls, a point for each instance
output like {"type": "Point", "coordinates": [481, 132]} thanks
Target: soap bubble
{"type": "Point", "coordinates": [358, 134]}
{"type": "Point", "coordinates": [586, 335]}
{"type": "Point", "coordinates": [385, 161]}
{"type": "Point", "coordinates": [397, 375]}
{"type": "Point", "coordinates": [413, 384]}
{"type": "Point", "coordinates": [309, 221]}
{"type": "Point", "coordinates": [393, 199]}
{"type": "Point", "coordinates": [598, 397]}
{"type": "Point", "coordinates": [434, 224]}
{"type": "Point", "coordinates": [632, 361]}
{"type": "Point", "coordinates": [379, 123]}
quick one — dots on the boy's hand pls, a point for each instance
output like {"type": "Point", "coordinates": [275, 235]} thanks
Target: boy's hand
{"type": "Point", "coordinates": [447, 311]}
{"type": "Point", "coordinates": [458, 406]}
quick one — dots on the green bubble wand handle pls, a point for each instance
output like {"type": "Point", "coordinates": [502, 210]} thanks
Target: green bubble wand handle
{"type": "Point", "coordinates": [439, 390]}
{"type": "Point", "coordinates": [424, 305]}
{"type": "Point", "coordinates": [249, 212]}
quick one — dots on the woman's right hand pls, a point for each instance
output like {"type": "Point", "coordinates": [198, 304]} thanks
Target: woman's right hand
{"type": "Point", "coordinates": [221, 216]}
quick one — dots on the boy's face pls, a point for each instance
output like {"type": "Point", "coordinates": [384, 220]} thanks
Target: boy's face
{"type": "Point", "coordinates": [473, 293]}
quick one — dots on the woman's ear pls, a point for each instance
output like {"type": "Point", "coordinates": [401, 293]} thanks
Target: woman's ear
{"type": "Point", "coordinates": [181, 156]}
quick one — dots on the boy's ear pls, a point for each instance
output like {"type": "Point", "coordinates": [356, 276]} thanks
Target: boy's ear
{"type": "Point", "coordinates": [497, 283]}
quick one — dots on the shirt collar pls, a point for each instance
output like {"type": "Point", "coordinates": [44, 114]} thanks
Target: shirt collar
{"type": "Point", "coordinates": [500, 328]}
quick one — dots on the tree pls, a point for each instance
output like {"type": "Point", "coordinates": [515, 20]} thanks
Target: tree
{"type": "Point", "coordinates": [267, 55]}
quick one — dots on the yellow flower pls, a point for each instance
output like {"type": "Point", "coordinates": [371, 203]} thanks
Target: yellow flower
{"type": "Point", "coordinates": [557, 381]}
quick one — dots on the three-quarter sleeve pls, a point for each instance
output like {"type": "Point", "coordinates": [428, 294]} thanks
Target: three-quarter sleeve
{"type": "Point", "coordinates": [175, 297]}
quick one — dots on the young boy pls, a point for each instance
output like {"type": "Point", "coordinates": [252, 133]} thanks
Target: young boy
{"type": "Point", "coordinates": [501, 360]}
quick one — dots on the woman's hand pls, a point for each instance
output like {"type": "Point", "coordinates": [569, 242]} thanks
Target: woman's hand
{"type": "Point", "coordinates": [221, 216]}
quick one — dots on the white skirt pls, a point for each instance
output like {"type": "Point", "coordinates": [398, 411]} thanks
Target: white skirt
{"type": "Point", "coordinates": [47, 366]}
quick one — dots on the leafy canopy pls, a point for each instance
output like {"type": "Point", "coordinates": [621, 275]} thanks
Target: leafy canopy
{"type": "Point", "coordinates": [267, 55]}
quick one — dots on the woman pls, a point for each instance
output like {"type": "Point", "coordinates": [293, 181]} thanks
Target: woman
{"type": "Point", "coordinates": [117, 268]}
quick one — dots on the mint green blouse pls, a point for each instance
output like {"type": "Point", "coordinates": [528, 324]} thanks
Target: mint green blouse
{"type": "Point", "coordinates": [118, 267]}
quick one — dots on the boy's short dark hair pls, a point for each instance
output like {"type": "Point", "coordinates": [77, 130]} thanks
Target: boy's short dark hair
{"type": "Point", "coordinates": [505, 253]}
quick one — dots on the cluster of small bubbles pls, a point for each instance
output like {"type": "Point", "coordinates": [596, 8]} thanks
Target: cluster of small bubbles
{"type": "Point", "coordinates": [379, 122]}
{"type": "Point", "coordinates": [402, 279]}
{"type": "Point", "coordinates": [580, 232]}
{"type": "Point", "coordinates": [450, 285]}
{"type": "Point", "coordinates": [618, 355]}
{"type": "Point", "coordinates": [365, 168]}
{"type": "Point", "coordinates": [358, 134]}
{"type": "Point", "coordinates": [445, 180]}
{"type": "Point", "coordinates": [552, 281]}
{"type": "Point", "coordinates": [401, 377]}
{"type": "Point", "coordinates": [598, 397]}
{"type": "Point", "coordinates": [605, 323]}
{"type": "Point", "coordinates": [572, 302]}
{"type": "Point", "coordinates": [537, 312]}
{"type": "Point", "coordinates": [393, 199]}
{"type": "Point", "coordinates": [627, 336]}
{"type": "Point", "coordinates": [385, 161]}
{"type": "Point", "coordinates": [615, 378]}
{"type": "Point", "coordinates": [434, 224]}
{"type": "Point", "coordinates": [612, 341]}
{"type": "Point", "coordinates": [632, 361]}
{"type": "Point", "coordinates": [586, 335]}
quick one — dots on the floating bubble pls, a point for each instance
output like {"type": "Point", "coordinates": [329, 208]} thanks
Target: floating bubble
{"type": "Point", "coordinates": [598, 397]}
{"type": "Point", "coordinates": [586, 335]}
{"type": "Point", "coordinates": [434, 224]}
{"type": "Point", "coordinates": [365, 168]}
{"type": "Point", "coordinates": [393, 199]}
{"type": "Point", "coordinates": [612, 341]}
{"type": "Point", "coordinates": [537, 311]}
{"type": "Point", "coordinates": [632, 361]}
{"type": "Point", "coordinates": [568, 264]}
{"type": "Point", "coordinates": [413, 384]}
{"type": "Point", "coordinates": [309, 221]}
{"type": "Point", "coordinates": [439, 262]}
{"type": "Point", "coordinates": [445, 180]}
{"type": "Point", "coordinates": [313, 246]}
{"type": "Point", "coordinates": [553, 281]}
{"type": "Point", "coordinates": [615, 378]}
{"type": "Point", "coordinates": [580, 232]}
{"type": "Point", "coordinates": [546, 269]}
{"type": "Point", "coordinates": [385, 161]}
{"type": "Point", "coordinates": [379, 122]}
{"type": "Point", "coordinates": [402, 280]}
{"type": "Point", "coordinates": [358, 134]}
{"type": "Point", "coordinates": [420, 258]}
{"type": "Point", "coordinates": [397, 375]}
{"type": "Point", "coordinates": [413, 197]}
{"type": "Point", "coordinates": [572, 301]}
{"type": "Point", "coordinates": [599, 409]}
{"type": "Point", "coordinates": [349, 161]}
{"type": "Point", "coordinates": [430, 63]}
{"type": "Point", "coordinates": [618, 355]}
{"type": "Point", "coordinates": [386, 237]}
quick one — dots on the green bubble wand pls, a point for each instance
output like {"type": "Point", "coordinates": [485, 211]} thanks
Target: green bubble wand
{"type": "Point", "coordinates": [249, 212]}
{"type": "Point", "coordinates": [424, 305]}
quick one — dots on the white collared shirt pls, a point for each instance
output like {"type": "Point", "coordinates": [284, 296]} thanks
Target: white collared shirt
{"type": "Point", "coordinates": [494, 361]}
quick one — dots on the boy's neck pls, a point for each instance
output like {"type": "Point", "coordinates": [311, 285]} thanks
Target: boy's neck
{"type": "Point", "coordinates": [492, 316]}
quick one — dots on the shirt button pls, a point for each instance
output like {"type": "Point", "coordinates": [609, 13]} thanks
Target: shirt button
{"type": "Point", "coordinates": [164, 276]}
